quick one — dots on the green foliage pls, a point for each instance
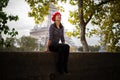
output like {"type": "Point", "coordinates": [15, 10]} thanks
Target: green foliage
{"type": "Point", "coordinates": [91, 48]}
{"type": "Point", "coordinates": [107, 17]}
{"type": "Point", "coordinates": [40, 8]}
{"type": "Point", "coordinates": [3, 4]}
{"type": "Point", "coordinates": [10, 45]}
{"type": "Point", "coordinates": [27, 43]}
{"type": "Point", "coordinates": [88, 10]}
{"type": "Point", "coordinates": [9, 42]}
{"type": "Point", "coordinates": [73, 2]}
{"type": "Point", "coordinates": [4, 29]}
{"type": "Point", "coordinates": [104, 14]}
{"type": "Point", "coordinates": [75, 32]}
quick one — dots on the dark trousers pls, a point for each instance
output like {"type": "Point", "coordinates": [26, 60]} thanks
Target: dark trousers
{"type": "Point", "coordinates": [62, 51]}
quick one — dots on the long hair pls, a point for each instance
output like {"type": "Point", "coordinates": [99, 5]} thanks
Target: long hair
{"type": "Point", "coordinates": [61, 26]}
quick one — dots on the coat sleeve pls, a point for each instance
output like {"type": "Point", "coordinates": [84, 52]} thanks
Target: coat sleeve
{"type": "Point", "coordinates": [50, 32]}
{"type": "Point", "coordinates": [62, 37]}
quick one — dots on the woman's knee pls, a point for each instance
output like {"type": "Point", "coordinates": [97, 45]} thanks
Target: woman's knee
{"type": "Point", "coordinates": [66, 46]}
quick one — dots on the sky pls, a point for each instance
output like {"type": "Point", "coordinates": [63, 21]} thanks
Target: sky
{"type": "Point", "coordinates": [25, 23]}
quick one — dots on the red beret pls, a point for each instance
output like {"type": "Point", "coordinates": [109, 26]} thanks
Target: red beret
{"type": "Point", "coordinates": [54, 15]}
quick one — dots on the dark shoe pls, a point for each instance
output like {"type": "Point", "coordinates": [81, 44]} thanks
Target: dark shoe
{"type": "Point", "coordinates": [60, 71]}
{"type": "Point", "coordinates": [66, 71]}
{"type": "Point", "coordinates": [52, 76]}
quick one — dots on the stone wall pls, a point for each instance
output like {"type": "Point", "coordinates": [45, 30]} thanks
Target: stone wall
{"type": "Point", "coordinates": [41, 66]}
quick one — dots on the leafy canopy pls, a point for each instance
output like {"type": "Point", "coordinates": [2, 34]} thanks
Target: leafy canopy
{"type": "Point", "coordinates": [40, 8]}
{"type": "Point", "coordinates": [4, 28]}
{"type": "Point", "coordinates": [27, 43]}
{"type": "Point", "coordinates": [106, 15]}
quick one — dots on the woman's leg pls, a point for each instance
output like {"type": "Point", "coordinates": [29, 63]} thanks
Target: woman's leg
{"type": "Point", "coordinates": [66, 56]}
{"type": "Point", "coordinates": [62, 56]}
{"type": "Point", "coordinates": [59, 61]}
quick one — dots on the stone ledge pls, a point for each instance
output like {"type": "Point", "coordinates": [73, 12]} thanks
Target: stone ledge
{"type": "Point", "coordinates": [38, 66]}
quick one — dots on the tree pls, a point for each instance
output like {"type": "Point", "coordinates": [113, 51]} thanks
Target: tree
{"type": "Point", "coordinates": [4, 29]}
{"type": "Point", "coordinates": [107, 18]}
{"type": "Point", "coordinates": [10, 42]}
{"type": "Point", "coordinates": [40, 8]}
{"type": "Point", "coordinates": [101, 14]}
{"type": "Point", "coordinates": [88, 10]}
{"type": "Point", "coordinates": [27, 43]}
{"type": "Point", "coordinates": [10, 45]}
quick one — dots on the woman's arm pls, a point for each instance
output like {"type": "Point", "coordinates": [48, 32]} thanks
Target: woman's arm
{"type": "Point", "coordinates": [50, 38]}
{"type": "Point", "coordinates": [47, 46]}
{"type": "Point", "coordinates": [62, 37]}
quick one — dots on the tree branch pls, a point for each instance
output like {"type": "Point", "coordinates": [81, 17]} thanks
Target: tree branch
{"type": "Point", "coordinates": [104, 2]}
{"type": "Point", "coordinates": [89, 18]}
{"type": "Point", "coordinates": [80, 11]}
{"type": "Point", "coordinates": [101, 3]}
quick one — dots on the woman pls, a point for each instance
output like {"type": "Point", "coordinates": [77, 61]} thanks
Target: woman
{"type": "Point", "coordinates": [56, 33]}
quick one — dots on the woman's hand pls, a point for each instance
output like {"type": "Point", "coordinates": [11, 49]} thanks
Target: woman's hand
{"type": "Point", "coordinates": [47, 47]}
{"type": "Point", "coordinates": [63, 42]}
{"type": "Point", "coordinates": [47, 50]}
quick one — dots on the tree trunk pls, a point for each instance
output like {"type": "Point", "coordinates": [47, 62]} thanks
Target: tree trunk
{"type": "Point", "coordinates": [82, 26]}
{"type": "Point", "coordinates": [83, 38]}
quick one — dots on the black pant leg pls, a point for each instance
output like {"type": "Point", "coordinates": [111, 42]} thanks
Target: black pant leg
{"type": "Point", "coordinates": [62, 51]}
{"type": "Point", "coordinates": [61, 57]}
{"type": "Point", "coordinates": [66, 56]}
{"type": "Point", "coordinates": [59, 61]}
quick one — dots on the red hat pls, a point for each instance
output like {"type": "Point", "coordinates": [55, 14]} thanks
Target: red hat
{"type": "Point", "coordinates": [54, 15]}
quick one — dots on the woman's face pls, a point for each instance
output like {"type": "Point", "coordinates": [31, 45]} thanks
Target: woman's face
{"type": "Point", "coordinates": [58, 17]}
